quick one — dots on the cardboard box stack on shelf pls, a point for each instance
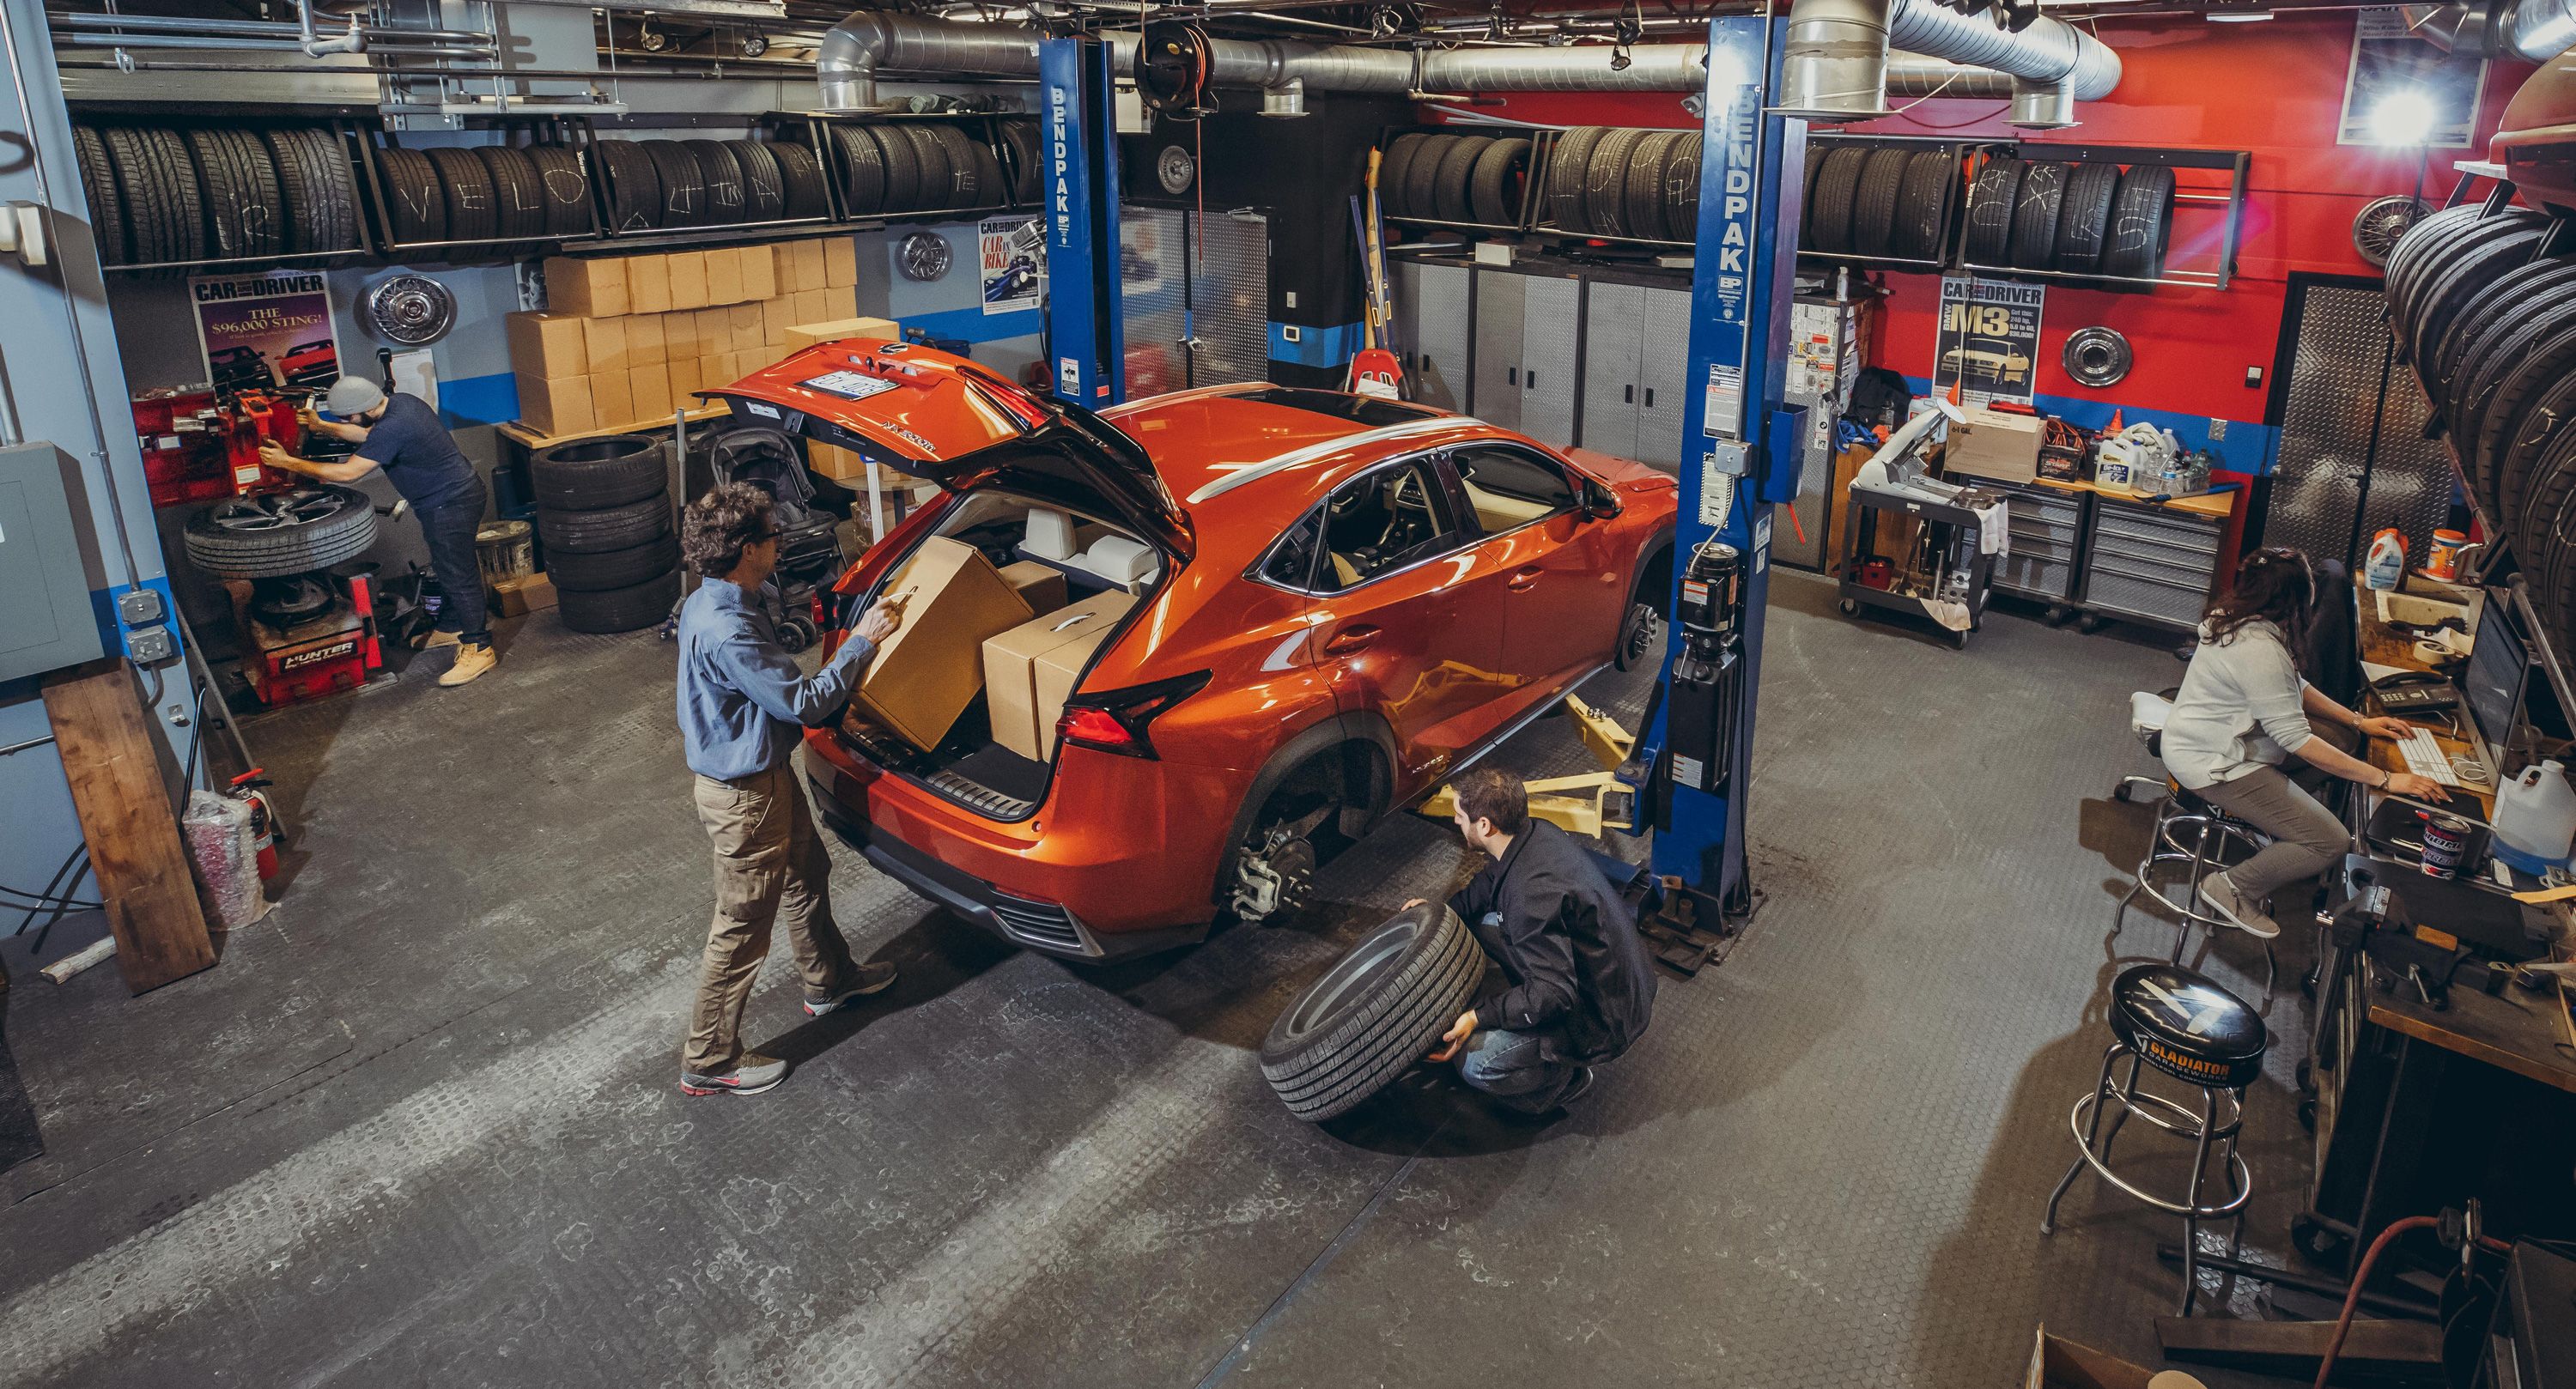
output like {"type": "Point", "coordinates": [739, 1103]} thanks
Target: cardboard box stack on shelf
{"type": "Point", "coordinates": [626, 340]}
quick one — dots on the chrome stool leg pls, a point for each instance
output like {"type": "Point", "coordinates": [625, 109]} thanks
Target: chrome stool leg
{"type": "Point", "coordinates": [2048, 1222]}
{"type": "Point", "coordinates": [2203, 1129]}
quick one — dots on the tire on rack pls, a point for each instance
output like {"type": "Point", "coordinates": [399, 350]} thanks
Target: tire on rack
{"type": "Point", "coordinates": [988, 175]}
{"type": "Point", "coordinates": [518, 192]}
{"type": "Point", "coordinates": [106, 204]}
{"type": "Point", "coordinates": [2547, 525]}
{"type": "Point", "coordinates": [803, 189]}
{"type": "Point", "coordinates": [473, 207]}
{"type": "Point", "coordinates": [1374, 1013]}
{"type": "Point", "coordinates": [1642, 199]}
{"type": "Point", "coordinates": [563, 190]}
{"type": "Point", "coordinates": [723, 176]}
{"type": "Point", "coordinates": [2510, 435]}
{"type": "Point", "coordinates": [2035, 212]}
{"type": "Point", "coordinates": [620, 609]}
{"type": "Point", "coordinates": [1449, 190]}
{"type": "Point", "coordinates": [2537, 290]}
{"type": "Point", "coordinates": [1568, 166]}
{"type": "Point", "coordinates": [1022, 137]}
{"type": "Point", "coordinates": [863, 170]}
{"type": "Point", "coordinates": [1923, 204]}
{"type": "Point", "coordinates": [281, 533]}
{"type": "Point", "coordinates": [2141, 224]}
{"type": "Point", "coordinates": [1392, 167]}
{"type": "Point", "coordinates": [159, 185]}
{"type": "Point", "coordinates": [575, 571]}
{"type": "Point", "coordinates": [589, 474]}
{"type": "Point", "coordinates": [2479, 262]}
{"type": "Point", "coordinates": [1681, 188]}
{"type": "Point", "coordinates": [1807, 196]}
{"type": "Point", "coordinates": [1991, 200]}
{"type": "Point", "coordinates": [634, 185]}
{"type": "Point", "coordinates": [902, 166]}
{"type": "Point", "coordinates": [1494, 182]}
{"type": "Point", "coordinates": [764, 187]}
{"type": "Point", "coordinates": [1837, 187]}
{"type": "Point", "coordinates": [965, 183]}
{"type": "Point", "coordinates": [320, 190]}
{"type": "Point", "coordinates": [237, 189]}
{"type": "Point", "coordinates": [1422, 176]}
{"type": "Point", "coordinates": [2084, 217]}
{"type": "Point", "coordinates": [415, 204]}
{"type": "Point", "coordinates": [933, 188]}
{"type": "Point", "coordinates": [605, 529]}
{"type": "Point", "coordinates": [1605, 182]}
{"type": "Point", "coordinates": [2428, 232]}
{"type": "Point", "coordinates": [2433, 275]}
{"type": "Point", "coordinates": [1874, 200]}
{"type": "Point", "coordinates": [684, 188]}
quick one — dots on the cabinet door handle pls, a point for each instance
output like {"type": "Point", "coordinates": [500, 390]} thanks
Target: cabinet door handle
{"type": "Point", "coordinates": [1628, 395]}
{"type": "Point", "coordinates": [1650, 397]}
{"type": "Point", "coordinates": [1511, 376]}
{"type": "Point", "coordinates": [1530, 381]}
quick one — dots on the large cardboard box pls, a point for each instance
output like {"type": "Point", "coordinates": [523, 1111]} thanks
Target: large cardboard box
{"type": "Point", "coordinates": [774, 319]}
{"type": "Point", "coordinates": [724, 276]}
{"type": "Point", "coordinates": [932, 667]}
{"type": "Point", "coordinates": [759, 273]}
{"type": "Point", "coordinates": [688, 279]}
{"type": "Point", "coordinates": [1995, 444]}
{"type": "Point", "coordinates": [547, 345]}
{"type": "Point", "coordinates": [648, 284]}
{"type": "Point", "coordinates": [680, 336]}
{"type": "Point", "coordinates": [1058, 667]}
{"type": "Point", "coordinates": [812, 306]}
{"type": "Point", "coordinates": [804, 335]}
{"type": "Point", "coordinates": [650, 388]}
{"type": "Point", "coordinates": [746, 327]}
{"type": "Point", "coordinates": [603, 342]}
{"type": "Point", "coordinates": [612, 398]}
{"type": "Point", "coordinates": [840, 262]}
{"type": "Point", "coordinates": [1041, 584]}
{"type": "Point", "coordinates": [556, 405]}
{"type": "Point", "coordinates": [835, 462]}
{"type": "Point", "coordinates": [810, 271]}
{"type": "Point", "coordinates": [520, 597]}
{"type": "Point", "coordinates": [587, 288]}
{"type": "Point", "coordinates": [644, 341]}
{"type": "Point", "coordinates": [714, 370]}
{"type": "Point", "coordinates": [685, 382]}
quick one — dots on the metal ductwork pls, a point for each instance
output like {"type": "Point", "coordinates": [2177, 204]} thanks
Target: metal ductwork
{"type": "Point", "coordinates": [2537, 30]}
{"type": "Point", "coordinates": [868, 43]}
{"type": "Point", "coordinates": [1838, 59]}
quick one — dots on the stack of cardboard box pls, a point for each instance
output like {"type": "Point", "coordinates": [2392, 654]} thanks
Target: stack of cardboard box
{"type": "Point", "coordinates": [625, 340]}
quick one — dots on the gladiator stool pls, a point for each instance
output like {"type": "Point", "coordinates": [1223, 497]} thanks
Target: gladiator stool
{"type": "Point", "coordinates": [2188, 1027]}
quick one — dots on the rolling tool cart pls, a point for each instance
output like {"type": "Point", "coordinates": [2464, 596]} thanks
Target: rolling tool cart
{"type": "Point", "coordinates": [1944, 573]}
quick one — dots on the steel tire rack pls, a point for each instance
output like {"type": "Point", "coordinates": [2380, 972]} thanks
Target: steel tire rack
{"type": "Point", "coordinates": [784, 127]}
{"type": "Point", "coordinates": [983, 126]}
{"type": "Point", "coordinates": [569, 131]}
{"type": "Point", "coordinates": [1542, 140]}
{"type": "Point", "coordinates": [347, 132]}
{"type": "Point", "coordinates": [1954, 239]}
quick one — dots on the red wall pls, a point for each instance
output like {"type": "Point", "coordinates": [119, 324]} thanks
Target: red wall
{"type": "Point", "coordinates": [2273, 89]}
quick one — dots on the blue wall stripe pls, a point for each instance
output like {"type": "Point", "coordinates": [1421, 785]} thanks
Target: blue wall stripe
{"type": "Point", "coordinates": [479, 400]}
{"type": "Point", "coordinates": [1315, 346]}
{"type": "Point", "coordinates": [2248, 448]}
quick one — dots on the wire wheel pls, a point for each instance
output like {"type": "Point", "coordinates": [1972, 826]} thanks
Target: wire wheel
{"type": "Point", "coordinates": [2379, 224]}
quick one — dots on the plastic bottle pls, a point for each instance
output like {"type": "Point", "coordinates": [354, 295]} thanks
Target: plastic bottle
{"type": "Point", "coordinates": [2386, 565]}
{"type": "Point", "coordinates": [2535, 817]}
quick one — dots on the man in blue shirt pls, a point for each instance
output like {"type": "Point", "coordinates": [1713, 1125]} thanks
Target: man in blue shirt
{"type": "Point", "coordinates": [743, 704]}
{"type": "Point", "coordinates": [401, 435]}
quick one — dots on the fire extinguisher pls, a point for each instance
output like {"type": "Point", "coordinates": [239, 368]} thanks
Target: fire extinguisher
{"type": "Point", "coordinates": [250, 788]}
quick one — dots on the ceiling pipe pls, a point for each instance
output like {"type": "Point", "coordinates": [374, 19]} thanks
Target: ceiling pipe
{"type": "Point", "coordinates": [1835, 66]}
{"type": "Point", "coordinates": [2536, 30]}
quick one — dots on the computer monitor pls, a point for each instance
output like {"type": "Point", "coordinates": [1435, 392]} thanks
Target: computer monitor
{"type": "Point", "coordinates": [2499, 668]}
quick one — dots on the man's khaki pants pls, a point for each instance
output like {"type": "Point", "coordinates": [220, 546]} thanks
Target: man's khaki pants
{"type": "Point", "coordinates": [769, 863]}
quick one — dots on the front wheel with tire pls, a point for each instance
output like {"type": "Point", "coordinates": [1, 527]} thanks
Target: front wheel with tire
{"type": "Point", "coordinates": [1380, 1008]}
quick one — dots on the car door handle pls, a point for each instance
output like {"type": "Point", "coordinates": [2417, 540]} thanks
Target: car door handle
{"type": "Point", "coordinates": [1350, 639]}
{"type": "Point", "coordinates": [1524, 580]}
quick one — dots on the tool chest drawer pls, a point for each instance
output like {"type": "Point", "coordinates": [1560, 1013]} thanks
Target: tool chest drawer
{"type": "Point", "coordinates": [2150, 562]}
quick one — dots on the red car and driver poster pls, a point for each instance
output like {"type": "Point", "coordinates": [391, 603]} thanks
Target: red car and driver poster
{"type": "Point", "coordinates": [263, 332]}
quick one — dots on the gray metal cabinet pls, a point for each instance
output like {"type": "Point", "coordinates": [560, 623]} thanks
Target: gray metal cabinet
{"type": "Point", "coordinates": [1613, 343]}
{"type": "Point", "coordinates": [1551, 345]}
{"type": "Point", "coordinates": [2149, 562]}
{"type": "Point", "coordinates": [1431, 309]}
{"type": "Point", "coordinates": [1665, 358]}
{"type": "Point", "coordinates": [2047, 529]}
{"type": "Point", "coordinates": [1496, 398]}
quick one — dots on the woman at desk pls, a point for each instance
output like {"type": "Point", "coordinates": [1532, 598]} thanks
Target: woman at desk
{"type": "Point", "coordinates": [2244, 711]}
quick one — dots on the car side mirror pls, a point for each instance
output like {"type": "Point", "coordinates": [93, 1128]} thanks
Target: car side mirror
{"type": "Point", "coordinates": [1599, 502]}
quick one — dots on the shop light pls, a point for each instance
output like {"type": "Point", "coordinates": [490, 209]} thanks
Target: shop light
{"type": "Point", "coordinates": [2403, 117]}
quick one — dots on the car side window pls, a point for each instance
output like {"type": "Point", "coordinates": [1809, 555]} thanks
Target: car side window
{"type": "Point", "coordinates": [1383, 521]}
{"type": "Point", "coordinates": [1509, 488]}
{"type": "Point", "coordinates": [1292, 561]}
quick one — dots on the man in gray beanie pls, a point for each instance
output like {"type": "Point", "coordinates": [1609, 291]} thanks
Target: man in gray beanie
{"type": "Point", "coordinates": [401, 435]}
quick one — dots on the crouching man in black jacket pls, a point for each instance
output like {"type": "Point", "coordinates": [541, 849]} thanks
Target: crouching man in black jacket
{"type": "Point", "coordinates": [1576, 986]}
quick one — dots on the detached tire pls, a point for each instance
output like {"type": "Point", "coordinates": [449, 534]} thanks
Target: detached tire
{"type": "Point", "coordinates": [592, 474]}
{"type": "Point", "coordinates": [2141, 223]}
{"type": "Point", "coordinates": [1875, 201]}
{"type": "Point", "coordinates": [619, 609]}
{"type": "Point", "coordinates": [800, 181]}
{"type": "Point", "coordinates": [1991, 199]}
{"type": "Point", "coordinates": [2035, 213]}
{"type": "Point", "coordinates": [1380, 1008]}
{"type": "Point", "coordinates": [576, 572]}
{"type": "Point", "coordinates": [606, 530]}
{"type": "Point", "coordinates": [284, 533]}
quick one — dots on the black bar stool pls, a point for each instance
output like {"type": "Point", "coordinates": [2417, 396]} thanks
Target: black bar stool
{"type": "Point", "coordinates": [2186, 1026]}
{"type": "Point", "coordinates": [2199, 836]}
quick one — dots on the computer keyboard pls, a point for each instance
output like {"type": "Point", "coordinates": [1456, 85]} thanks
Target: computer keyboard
{"type": "Point", "coordinates": [2425, 758]}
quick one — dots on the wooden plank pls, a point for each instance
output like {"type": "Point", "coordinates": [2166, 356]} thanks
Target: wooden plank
{"type": "Point", "coordinates": [2374, 1349]}
{"type": "Point", "coordinates": [110, 757]}
{"type": "Point", "coordinates": [530, 439]}
{"type": "Point", "coordinates": [2517, 1033]}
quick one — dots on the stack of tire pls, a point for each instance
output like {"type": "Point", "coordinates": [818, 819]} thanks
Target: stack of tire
{"type": "Point", "coordinates": [1020, 142]}
{"type": "Point", "coordinates": [2489, 327]}
{"type": "Point", "coordinates": [484, 194]}
{"type": "Point", "coordinates": [604, 515]}
{"type": "Point", "coordinates": [1625, 183]}
{"type": "Point", "coordinates": [672, 185]}
{"type": "Point", "coordinates": [162, 194]}
{"type": "Point", "coordinates": [2078, 219]}
{"type": "Point", "coordinates": [1884, 201]}
{"type": "Point", "coordinates": [899, 168]}
{"type": "Point", "coordinates": [1477, 180]}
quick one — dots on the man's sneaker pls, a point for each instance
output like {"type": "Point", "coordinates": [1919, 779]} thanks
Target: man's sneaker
{"type": "Point", "coordinates": [2221, 896]}
{"type": "Point", "coordinates": [753, 1074]}
{"type": "Point", "coordinates": [871, 978]}
{"type": "Point", "coordinates": [1575, 1088]}
{"type": "Point", "coordinates": [471, 661]}
{"type": "Point", "coordinates": [439, 639]}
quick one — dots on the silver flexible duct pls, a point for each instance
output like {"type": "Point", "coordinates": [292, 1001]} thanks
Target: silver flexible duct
{"type": "Point", "coordinates": [1838, 55]}
{"type": "Point", "coordinates": [2538, 30]}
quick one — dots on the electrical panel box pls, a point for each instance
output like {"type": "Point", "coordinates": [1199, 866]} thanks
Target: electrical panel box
{"type": "Point", "coordinates": [46, 622]}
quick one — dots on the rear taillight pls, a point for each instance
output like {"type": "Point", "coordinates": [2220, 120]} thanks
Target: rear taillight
{"type": "Point", "coordinates": [1117, 720]}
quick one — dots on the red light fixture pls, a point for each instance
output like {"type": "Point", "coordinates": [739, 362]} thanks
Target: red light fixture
{"type": "Point", "coordinates": [1115, 721]}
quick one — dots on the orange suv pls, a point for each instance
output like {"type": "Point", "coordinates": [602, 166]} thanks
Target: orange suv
{"type": "Point", "coordinates": [1339, 603]}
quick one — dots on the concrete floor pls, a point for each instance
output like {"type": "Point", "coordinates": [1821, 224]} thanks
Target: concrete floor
{"type": "Point", "coordinates": [420, 1126]}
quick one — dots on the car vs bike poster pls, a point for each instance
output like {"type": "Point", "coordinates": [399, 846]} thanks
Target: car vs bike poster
{"type": "Point", "coordinates": [1989, 339]}
{"type": "Point", "coordinates": [264, 332]}
{"type": "Point", "coordinates": [1013, 256]}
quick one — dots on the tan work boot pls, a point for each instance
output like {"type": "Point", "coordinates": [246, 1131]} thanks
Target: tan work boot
{"type": "Point", "coordinates": [471, 661]}
{"type": "Point", "coordinates": [439, 639]}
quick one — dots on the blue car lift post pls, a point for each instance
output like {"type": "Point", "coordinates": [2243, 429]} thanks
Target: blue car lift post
{"type": "Point", "coordinates": [1078, 160]}
{"type": "Point", "coordinates": [1741, 455]}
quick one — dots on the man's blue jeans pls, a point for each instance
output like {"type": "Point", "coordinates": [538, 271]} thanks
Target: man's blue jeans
{"type": "Point", "coordinates": [448, 524]}
{"type": "Point", "coordinates": [1507, 1066]}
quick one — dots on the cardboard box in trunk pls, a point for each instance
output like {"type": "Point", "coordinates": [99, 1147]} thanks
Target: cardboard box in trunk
{"type": "Point", "coordinates": [932, 667]}
{"type": "Point", "coordinates": [1041, 584]}
{"type": "Point", "coordinates": [1029, 670]}
{"type": "Point", "coordinates": [1995, 444]}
